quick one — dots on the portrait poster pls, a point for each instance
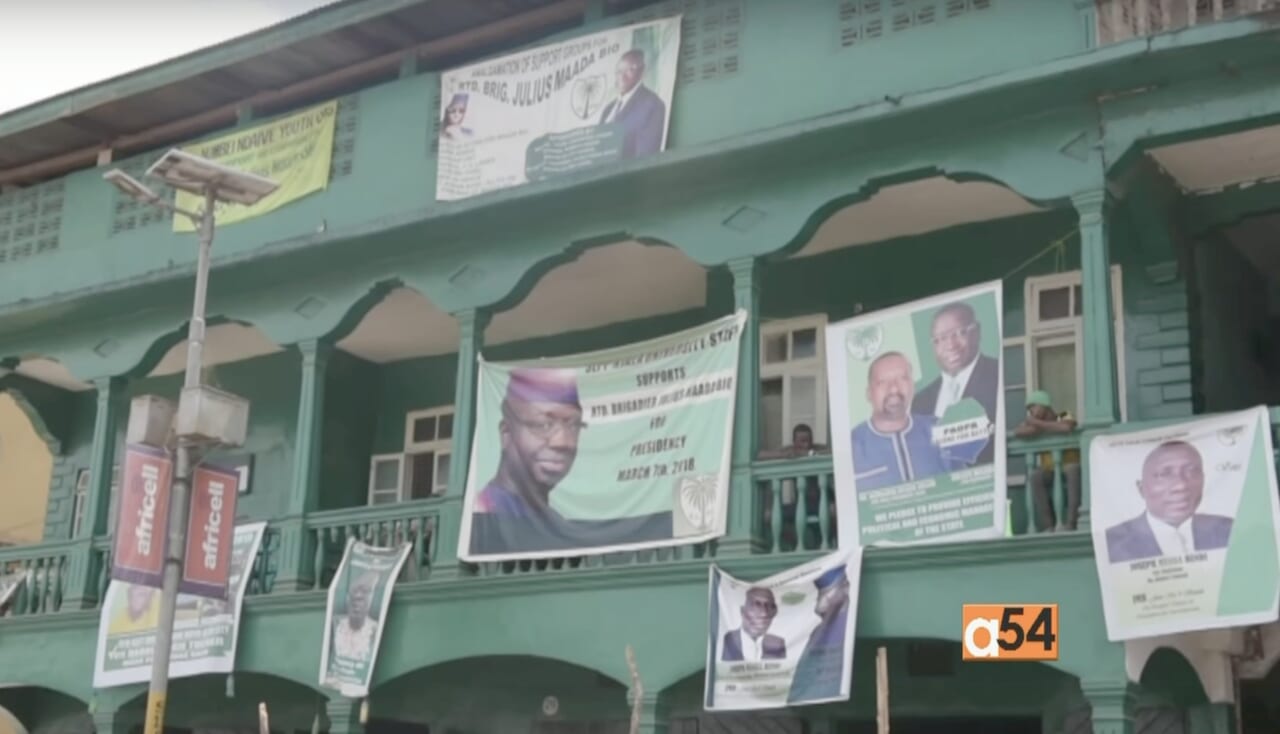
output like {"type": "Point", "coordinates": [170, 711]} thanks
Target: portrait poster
{"type": "Point", "coordinates": [917, 420]}
{"type": "Point", "coordinates": [205, 630]}
{"type": "Point", "coordinates": [1186, 525]}
{"type": "Point", "coordinates": [620, 449]}
{"type": "Point", "coordinates": [786, 640]}
{"type": "Point", "coordinates": [293, 150]}
{"type": "Point", "coordinates": [359, 597]}
{"type": "Point", "coordinates": [556, 109]}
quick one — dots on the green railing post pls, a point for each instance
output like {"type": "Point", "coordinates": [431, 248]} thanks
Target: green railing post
{"type": "Point", "coordinates": [1099, 313]}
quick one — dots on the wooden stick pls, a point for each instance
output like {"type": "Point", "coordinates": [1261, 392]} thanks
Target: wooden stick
{"type": "Point", "coordinates": [882, 691]}
{"type": "Point", "coordinates": [637, 689]}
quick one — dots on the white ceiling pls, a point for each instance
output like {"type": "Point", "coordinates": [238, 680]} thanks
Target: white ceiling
{"type": "Point", "coordinates": [915, 208]}
{"type": "Point", "coordinates": [403, 325]}
{"type": "Point", "coordinates": [51, 372]}
{"type": "Point", "coordinates": [1211, 164]}
{"type": "Point", "coordinates": [223, 344]}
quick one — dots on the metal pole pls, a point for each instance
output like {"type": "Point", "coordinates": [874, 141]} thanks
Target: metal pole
{"type": "Point", "coordinates": [180, 502]}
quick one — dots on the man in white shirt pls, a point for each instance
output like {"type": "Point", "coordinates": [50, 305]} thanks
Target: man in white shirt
{"type": "Point", "coordinates": [750, 642]}
{"type": "Point", "coordinates": [964, 371]}
{"type": "Point", "coordinates": [354, 633]}
{"type": "Point", "coordinates": [1172, 486]}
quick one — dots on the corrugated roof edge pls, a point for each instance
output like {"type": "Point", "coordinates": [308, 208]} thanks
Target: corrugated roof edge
{"type": "Point", "coordinates": [325, 19]}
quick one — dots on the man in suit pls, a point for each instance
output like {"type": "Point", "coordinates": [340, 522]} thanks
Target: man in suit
{"type": "Point", "coordinates": [966, 372]}
{"type": "Point", "coordinates": [750, 642]}
{"type": "Point", "coordinates": [640, 112]}
{"type": "Point", "coordinates": [1172, 486]}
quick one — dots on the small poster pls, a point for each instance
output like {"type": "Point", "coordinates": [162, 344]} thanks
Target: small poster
{"type": "Point", "coordinates": [1186, 525]}
{"type": "Point", "coordinates": [358, 601]}
{"type": "Point", "coordinates": [786, 640]}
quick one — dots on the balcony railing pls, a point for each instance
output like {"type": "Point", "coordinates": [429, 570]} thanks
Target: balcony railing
{"type": "Point", "coordinates": [386, 525]}
{"type": "Point", "coordinates": [44, 568]}
{"type": "Point", "coordinates": [1119, 20]}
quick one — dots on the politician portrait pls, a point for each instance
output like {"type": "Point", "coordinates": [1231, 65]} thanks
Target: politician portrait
{"type": "Point", "coordinates": [355, 632]}
{"type": "Point", "coordinates": [819, 674]}
{"type": "Point", "coordinates": [964, 371]}
{"type": "Point", "coordinates": [751, 642]}
{"type": "Point", "coordinates": [1171, 486]}
{"type": "Point", "coordinates": [895, 444]}
{"type": "Point", "coordinates": [636, 109]}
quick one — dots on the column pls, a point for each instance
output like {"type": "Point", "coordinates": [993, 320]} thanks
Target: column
{"type": "Point", "coordinates": [1113, 705]}
{"type": "Point", "coordinates": [742, 492]}
{"type": "Point", "coordinates": [471, 326]}
{"type": "Point", "coordinates": [104, 720]}
{"type": "Point", "coordinates": [344, 716]}
{"type": "Point", "coordinates": [1099, 336]}
{"type": "Point", "coordinates": [297, 548]}
{"type": "Point", "coordinates": [654, 717]}
{"type": "Point", "coordinates": [1211, 718]}
{"type": "Point", "coordinates": [83, 567]}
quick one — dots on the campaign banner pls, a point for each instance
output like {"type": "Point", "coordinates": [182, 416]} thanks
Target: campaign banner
{"type": "Point", "coordinates": [10, 583]}
{"type": "Point", "coordinates": [615, 450]}
{"type": "Point", "coordinates": [917, 420]}
{"type": "Point", "coordinates": [142, 526]}
{"type": "Point", "coordinates": [359, 597]}
{"type": "Point", "coordinates": [294, 151]}
{"type": "Point", "coordinates": [1186, 525]}
{"type": "Point", "coordinates": [205, 631]}
{"type": "Point", "coordinates": [786, 640]}
{"type": "Point", "coordinates": [206, 570]}
{"type": "Point", "coordinates": [556, 109]}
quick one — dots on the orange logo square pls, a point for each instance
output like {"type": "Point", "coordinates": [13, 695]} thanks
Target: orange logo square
{"type": "Point", "coordinates": [1007, 632]}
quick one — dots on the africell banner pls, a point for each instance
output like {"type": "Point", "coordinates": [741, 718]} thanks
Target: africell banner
{"type": "Point", "coordinates": [207, 566]}
{"type": "Point", "coordinates": [1186, 525]}
{"type": "Point", "coordinates": [917, 420]}
{"type": "Point", "coordinates": [205, 630]}
{"type": "Point", "coordinates": [615, 450]}
{"type": "Point", "coordinates": [359, 597]}
{"type": "Point", "coordinates": [143, 522]}
{"type": "Point", "coordinates": [786, 640]}
{"type": "Point", "coordinates": [556, 109]}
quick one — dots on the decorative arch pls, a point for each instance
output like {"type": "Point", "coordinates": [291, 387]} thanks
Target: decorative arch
{"type": "Point", "coordinates": [230, 701]}
{"type": "Point", "coordinates": [40, 709]}
{"type": "Point", "coordinates": [1198, 664]}
{"type": "Point", "coordinates": [9, 387]}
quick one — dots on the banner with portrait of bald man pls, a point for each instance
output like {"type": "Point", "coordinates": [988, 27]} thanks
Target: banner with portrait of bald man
{"type": "Point", "coordinates": [1186, 525]}
{"type": "Point", "coordinates": [786, 640]}
{"type": "Point", "coordinates": [917, 420]}
{"type": "Point", "coordinates": [621, 449]}
{"type": "Point", "coordinates": [359, 597]}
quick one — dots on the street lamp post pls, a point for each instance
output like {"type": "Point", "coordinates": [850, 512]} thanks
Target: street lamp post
{"type": "Point", "coordinates": [215, 183]}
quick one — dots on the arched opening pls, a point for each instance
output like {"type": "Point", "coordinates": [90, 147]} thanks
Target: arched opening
{"type": "Point", "coordinates": [26, 468]}
{"type": "Point", "coordinates": [214, 703]}
{"type": "Point", "coordinates": [930, 690]}
{"type": "Point", "coordinates": [37, 710]}
{"type": "Point", "coordinates": [501, 693]}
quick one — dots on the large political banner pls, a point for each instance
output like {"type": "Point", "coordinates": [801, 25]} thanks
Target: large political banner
{"type": "Point", "coordinates": [1186, 525]}
{"type": "Point", "coordinates": [786, 640]}
{"type": "Point", "coordinates": [556, 109]}
{"type": "Point", "coordinates": [621, 449]}
{"type": "Point", "coordinates": [294, 151]}
{"type": "Point", "coordinates": [359, 597]}
{"type": "Point", "coordinates": [205, 630]}
{"type": "Point", "coordinates": [917, 420]}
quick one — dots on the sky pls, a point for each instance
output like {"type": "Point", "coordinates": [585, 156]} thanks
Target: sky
{"type": "Point", "coordinates": [48, 47]}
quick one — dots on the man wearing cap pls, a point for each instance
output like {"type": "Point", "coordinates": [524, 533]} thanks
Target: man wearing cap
{"type": "Point", "coordinates": [539, 431]}
{"type": "Point", "coordinates": [821, 668]}
{"type": "Point", "coordinates": [451, 127]}
{"type": "Point", "coordinates": [1041, 420]}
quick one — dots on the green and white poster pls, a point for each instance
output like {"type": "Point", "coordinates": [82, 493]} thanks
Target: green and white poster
{"type": "Point", "coordinates": [359, 597]}
{"type": "Point", "coordinates": [615, 450]}
{"type": "Point", "coordinates": [1186, 525]}
{"type": "Point", "coordinates": [205, 630]}
{"type": "Point", "coordinates": [917, 420]}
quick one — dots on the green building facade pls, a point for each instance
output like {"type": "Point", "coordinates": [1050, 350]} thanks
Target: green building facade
{"type": "Point", "coordinates": [1108, 162]}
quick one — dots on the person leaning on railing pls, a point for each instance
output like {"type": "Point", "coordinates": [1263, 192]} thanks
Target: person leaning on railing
{"type": "Point", "coordinates": [1041, 420]}
{"type": "Point", "coordinates": [801, 445]}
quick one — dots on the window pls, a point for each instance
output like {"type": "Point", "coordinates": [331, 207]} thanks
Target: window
{"type": "Point", "coordinates": [1052, 357]}
{"type": "Point", "coordinates": [81, 500]}
{"type": "Point", "coordinates": [422, 469]}
{"type": "Point", "coordinates": [793, 386]}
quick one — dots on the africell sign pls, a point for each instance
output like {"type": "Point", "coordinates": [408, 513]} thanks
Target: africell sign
{"type": "Point", "coordinates": [210, 532]}
{"type": "Point", "coordinates": [143, 523]}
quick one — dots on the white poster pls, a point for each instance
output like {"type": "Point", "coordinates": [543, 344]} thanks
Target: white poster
{"type": "Point", "coordinates": [786, 640]}
{"type": "Point", "coordinates": [359, 597]}
{"type": "Point", "coordinates": [557, 109]}
{"type": "Point", "coordinates": [1186, 525]}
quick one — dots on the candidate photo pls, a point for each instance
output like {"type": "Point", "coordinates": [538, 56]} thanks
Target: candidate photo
{"type": "Point", "coordinates": [637, 109]}
{"type": "Point", "coordinates": [895, 444]}
{"type": "Point", "coordinates": [752, 642]}
{"type": "Point", "coordinates": [1172, 488]}
{"type": "Point", "coordinates": [964, 371]}
{"type": "Point", "coordinates": [355, 632]}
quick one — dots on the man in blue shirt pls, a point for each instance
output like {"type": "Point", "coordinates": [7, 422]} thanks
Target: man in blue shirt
{"type": "Point", "coordinates": [894, 446]}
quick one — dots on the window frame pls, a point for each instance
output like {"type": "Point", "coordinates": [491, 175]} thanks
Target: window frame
{"type": "Point", "coordinates": [814, 366]}
{"type": "Point", "coordinates": [439, 447]}
{"type": "Point", "coordinates": [374, 461]}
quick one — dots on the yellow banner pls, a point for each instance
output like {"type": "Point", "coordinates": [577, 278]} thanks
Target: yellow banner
{"type": "Point", "coordinates": [294, 151]}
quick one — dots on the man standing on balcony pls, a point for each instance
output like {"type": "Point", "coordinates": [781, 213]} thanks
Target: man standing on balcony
{"type": "Point", "coordinates": [1042, 420]}
{"type": "Point", "coordinates": [540, 428]}
{"type": "Point", "coordinates": [894, 445]}
{"type": "Point", "coordinates": [965, 371]}
{"type": "Point", "coordinates": [1172, 486]}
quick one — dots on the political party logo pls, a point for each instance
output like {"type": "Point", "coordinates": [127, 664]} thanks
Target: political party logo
{"type": "Point", "coordinates": [1009, 632]}
{"type": "Point", "coordinates": [865, 343]}
{"type": "Point", "coordinates": [695, 496]}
